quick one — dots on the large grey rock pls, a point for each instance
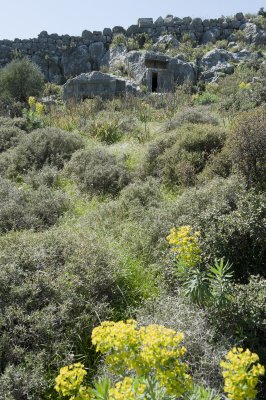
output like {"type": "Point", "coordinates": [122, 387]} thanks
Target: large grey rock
{"type": "Point", "coordinates": [159, 21]}
{"type": "Point", "coordinates": [50, 67]}
{"type": "Point", "coordinates": [167, 41]}
{"type": "Point", "coordinates": [114, 58]}
{"type": "Point", "coordinates": [96, 53]}
{"type": "Point", "coordinates": [253, 34]}
{"type": "Point", "coordinates": [93, 84]}
{"type": "Point", "coordinates": [214, 57]}
{"type": "Point", "coordinates": [75, 61]}
{"type": "Point", "coordinates": [213, 73]}
{"type": "Point", "coordinates": [182, 71]}
{"type": "Point", "coordinates": [210, 36]}
{"type": "Point", "coordinates": [135, 66]}
{"type": "Point", "coordinates": [145, 22]}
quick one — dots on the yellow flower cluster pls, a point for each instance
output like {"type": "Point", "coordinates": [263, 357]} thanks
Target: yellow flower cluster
{"type": "Point", "coordinates": [31, 101]}
{"type": "Point", "coordinates": [128, 389]}
{"type": "Point", "coordinates": [244, 86]}
{"type": "Point", "coordinates": [148, 351]}
{"type": "Point", "coordinates": [185, 244]}
{"type": "Point", "coordinates": [69, 382]}
{"type": "Point", "coordinates": [35, 106]}
{"type": "Point", "coordinates": [241, 371]}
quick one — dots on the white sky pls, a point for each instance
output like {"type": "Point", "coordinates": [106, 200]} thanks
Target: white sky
{"type": "Point", "coordinates": [26, 18]}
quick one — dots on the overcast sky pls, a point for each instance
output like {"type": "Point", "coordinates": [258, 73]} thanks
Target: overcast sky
{"type": "Point", "coordinates": [26, 18]}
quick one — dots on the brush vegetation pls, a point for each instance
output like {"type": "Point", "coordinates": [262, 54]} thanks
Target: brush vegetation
{"type": "Point", "coordinates": [148, 209]}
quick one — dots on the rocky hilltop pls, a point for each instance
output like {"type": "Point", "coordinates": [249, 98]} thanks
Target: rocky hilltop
{"type": "Point", "coordinates": [63, 57]}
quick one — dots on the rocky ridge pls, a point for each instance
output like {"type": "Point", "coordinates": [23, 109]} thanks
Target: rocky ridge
{"type": "Point", "coordinates": [63, 57]}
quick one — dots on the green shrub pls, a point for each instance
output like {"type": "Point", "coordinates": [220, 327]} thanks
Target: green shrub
{"type": "Point", "coordinates": [106, 131]}
{"type": "Point", "coordinates": [247, 146]}
{"type": "Point", "coordinates": [48, 146]}
{"type": "Point", "coordinates": [179, 163]}
{"type": "Point", "coordinates": [119, 40]}
{"type": "Point", "coordinates": [191, 115]}
{"type": "Point", "coordinates": [98, 172]}
{"type": "Point", "coordinates": [22, 209]}
{"type": "Point", "coordinates": [205, 98]}
{"type": "Point", "coordinates": [9, 137]}
{"type": "Point", "coordinates": [6, 122]}
{"type": "Point", "coordinates": [63, 281]}
{"type": "Point", "coordinates": [231, 220]}
{"type": "Point", "coordinates": [20, 79]}
{"type": "Point", "coordinates": [204, 352]}
{"type": "Point", "coordinates": [47, 176]}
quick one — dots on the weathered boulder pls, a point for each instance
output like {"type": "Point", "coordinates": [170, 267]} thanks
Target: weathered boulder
{"type": "Point", "coordinates": [182, 71]}
{"type": "Point", "coordinates": [159, 21]}
{"type": "Point", "coordinates": [75, 61]}
{"type": "Point", "coordinates": [210, 36]}
{"type": "Point", "coordinates": [135, 65]}
{"type": "Point", "coordinates": [253, 34]}
{"type": "Point", "coordinates": [214, 57]}
{"type": "Point", "coordinates": [114, 58]}
{"type": "Point", "coordinates": [212, 74]}
{"type": "Point", "coordinates": [166, 41]}
{"type": "Point", "coordinates": [93, 84]}
{"type": "Point", "coordinates": [214, 63]}
{"type": "Point", "coordinates": [96, 53]}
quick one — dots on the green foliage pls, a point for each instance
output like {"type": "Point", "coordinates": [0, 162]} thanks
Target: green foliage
{"type": "Point", "coordinates": [59, 280]}
{"type": "Point", "coordinates": [9, 137]}
{"type": "Point", "coordinates": [191, 115]}
{"type": "Point", "coordinates": [205, 98]}
{"type": "Point", "coordinates": [98, 172]}
{"type": "Point", "coordinates": [20, 79]}
{"type": "Point", "coordinates": [106, 131]}
{"type": "Point", "coordinates": [204, 352]}
{"type": "Point", "coordinates": [24, 209]}
{"type": "Point", "coordinates": [247, 145]}
{"type": "Point", "coordinates": [201, 393]}
{"type": "Point", "coordinates": [48, 146]}
{"type": "Point", "coordinates": [34, 114]}
{"type": "Point", "coordinates": [180, 157]}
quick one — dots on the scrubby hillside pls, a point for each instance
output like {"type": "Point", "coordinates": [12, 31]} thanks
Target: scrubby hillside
{"type": "Point", "coordinates": [148, 207]}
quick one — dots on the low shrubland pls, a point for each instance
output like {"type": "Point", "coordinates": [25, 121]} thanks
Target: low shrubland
{"type": "Point", "coordinates": [150, 209]}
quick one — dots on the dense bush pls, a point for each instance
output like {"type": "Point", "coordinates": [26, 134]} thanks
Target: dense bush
{"type": "Point", "coordinates": [178, 159]}
{"type": "Point", "coordinates": [231, 220]}
{"type": "Point", "coordinates": [56, 286]}
{"type": "Point", "coordinates": [98, 172]}
{"type": "Point", "coordinates": [6, 122]}
{"type": "Point", "coordinates": [20, 79]}
{"type": "Point", "coordinates": [192, 115]}
{"type": "Point", "coordinates": [48, 146]}
{"type": "Point", "coordinates": [203, 351]}
{"type": "Point", "coordinates": [9, 137]}
{"type": "Point", "coordinates": [24, 209]}
{"type": "Point", "coordinates": [247, 145]}
{"type": "Point", "coordinates": [47, 176]}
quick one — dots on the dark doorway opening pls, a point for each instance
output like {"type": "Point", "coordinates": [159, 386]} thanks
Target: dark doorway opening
{"type": "Point", "coordinates": [154, 84]}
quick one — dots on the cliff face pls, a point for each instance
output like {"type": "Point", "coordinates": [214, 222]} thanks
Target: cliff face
{"type": "Point", "coordinates": [62, 57]}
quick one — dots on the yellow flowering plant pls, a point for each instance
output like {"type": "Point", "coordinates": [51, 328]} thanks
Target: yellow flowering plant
{"type": "Point", "coordinates": [69, 382]}
{"type": "Point", "coordinates": [152, 351]}
{"type": "Point", "coordinates": [185, 245]}
{"type": "Point", "coordinates": [241, 371]}
{"type": "Point", "coordinates": [34, 114]}
{"type": "Point", "coordinates": [148, 358]}
{"type": "Point", "coordinates": [206, 285]}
